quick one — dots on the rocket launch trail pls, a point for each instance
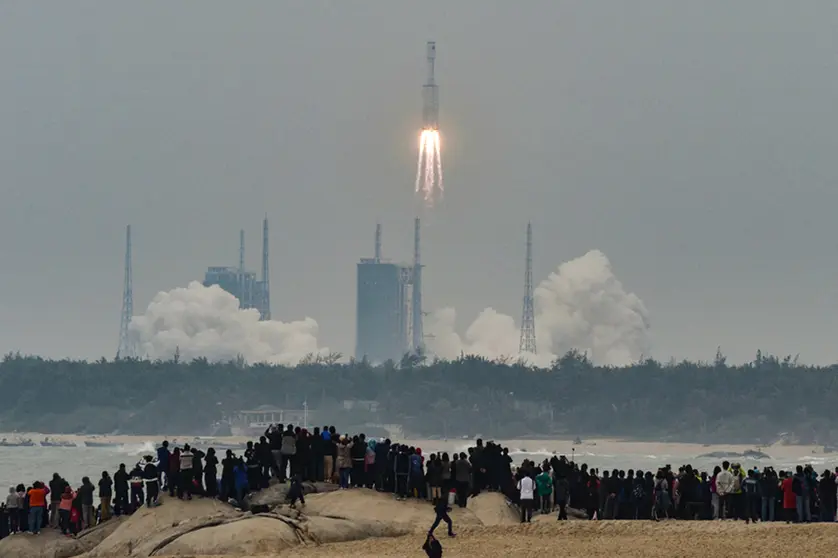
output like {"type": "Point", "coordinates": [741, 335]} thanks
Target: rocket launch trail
{"type": "Point", "coordinates": [429, 164]}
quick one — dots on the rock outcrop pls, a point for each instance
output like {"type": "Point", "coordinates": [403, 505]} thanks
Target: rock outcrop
{"type": "Point", "coordinates": [205, 527]}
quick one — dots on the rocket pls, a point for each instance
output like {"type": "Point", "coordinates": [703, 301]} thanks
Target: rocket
{"type": "Point", "coordinates": [430, 93]}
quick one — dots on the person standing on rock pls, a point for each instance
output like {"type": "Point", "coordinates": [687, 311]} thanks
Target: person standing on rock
{"type": "Point", "coordinates": [173, 477]}
{"type": "Point", "coordinates": [120, 485]}
{"type": "Point", "coordinates": [287, 452]}
{"type": "Point", "coordinates": [65, 506]}
{"type": "Point", "coordinates": [185, 473]}
{"type": "Point", "coordinates": [344, 461]}
{"type": "Point", "coordinates": [295, 492]}
{"type": "Point", "coordinates": [56, 489]}
{"type": "Point", "coordinates": [211, 473]}
{"type": "Point", "coordinates": [152, 482]}
{"type": "Point", "coordinates": [105, 495]}
{"type": "Point", "coordinates": [163, 456]}
{"type": "Point", "coordinates": [462, 476]}
{"type": "Point", "coordinates": [37, 504]}
{"type": "Point", "coordinates": [274, 436]}
{"type": "Point", "coordinates": [85, 493]}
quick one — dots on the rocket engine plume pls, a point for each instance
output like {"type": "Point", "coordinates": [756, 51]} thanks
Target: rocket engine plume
{"type": "Point", "coordinates": [429, 165]}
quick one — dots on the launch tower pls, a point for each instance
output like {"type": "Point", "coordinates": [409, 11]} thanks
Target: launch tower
{"type": "Point", "coordinates": [127, 347]}
{"type": "Point", "coordinates": [527, 344]}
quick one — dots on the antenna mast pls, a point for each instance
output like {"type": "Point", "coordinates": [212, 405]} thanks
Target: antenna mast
{"type": "Point", "coordinates": [265, 310]}
{"type": "Point", "coordinates": [378, 243]}
{"type": "Point", "coordinates": [242, 297]}
{"type": "Point", "coordinates": [126, 345]}
{"type": "Point", "coordinates": [527, 344]}
{"type": "Point", "coordinates": [418, 334]}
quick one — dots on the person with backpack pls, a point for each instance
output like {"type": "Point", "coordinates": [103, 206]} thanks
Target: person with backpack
{"type": "Point", "coordinates": [751, 491]}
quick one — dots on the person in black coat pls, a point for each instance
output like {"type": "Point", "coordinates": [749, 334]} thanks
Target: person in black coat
{"type": "Point", "coordinates": [211, 473]}
{"type": "Point", "coordinates": [120, 488]}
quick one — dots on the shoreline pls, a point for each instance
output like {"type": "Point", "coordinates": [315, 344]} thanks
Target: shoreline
{"type": "Point", "coordinates": [567, 447]}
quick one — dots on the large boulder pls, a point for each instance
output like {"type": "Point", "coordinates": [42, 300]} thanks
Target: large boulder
{"type": "Point", "coordinates": [52, 544]}
{"type": "Point", "coordinates": [492, 508]}
{"type": "Point", "coordinates": [275, 494]}
{"type": "Point", "coordinates": [147, 528]}
{"type": "Point", "coordinates": [249, 536]}
{"type": "Point", "coordinates": [365, 504]}
{"type": "Point", "coordinates": [324, 530]}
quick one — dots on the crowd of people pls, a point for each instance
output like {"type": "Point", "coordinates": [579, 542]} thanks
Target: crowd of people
{"type": "Point", "coordinates": [729, 492]}
{"type": "Point", "coordinates": [286, 453]}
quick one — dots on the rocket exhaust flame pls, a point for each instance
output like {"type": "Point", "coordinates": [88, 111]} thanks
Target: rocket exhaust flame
{"type": "Point", "coordinates": [429, 167]}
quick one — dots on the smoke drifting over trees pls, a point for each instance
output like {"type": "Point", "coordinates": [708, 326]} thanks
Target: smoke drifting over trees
{"type": "Point", "coordinates": [580, 306]}
{"type": "Point", "coordinates": [199, 321]}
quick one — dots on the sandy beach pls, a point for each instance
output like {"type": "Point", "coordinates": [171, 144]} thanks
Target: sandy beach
{"type": "Point", "coordinates": [585, 539]}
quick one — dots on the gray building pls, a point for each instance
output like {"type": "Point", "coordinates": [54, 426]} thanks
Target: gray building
{"type": "Point", "coordinates": [243, 284]}
{"type": "Point", "coordinates": [384, 310]}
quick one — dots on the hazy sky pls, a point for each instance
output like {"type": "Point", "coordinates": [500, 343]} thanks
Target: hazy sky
{"type": "Point", "coordinates": [694, 143]}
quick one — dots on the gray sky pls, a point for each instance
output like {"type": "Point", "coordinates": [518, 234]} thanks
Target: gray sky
{"type": "Point", "coordinates": [693, 143]}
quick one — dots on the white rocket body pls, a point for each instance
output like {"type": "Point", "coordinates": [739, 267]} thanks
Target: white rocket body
{"type": "Point", "coordinates": [430, 93]}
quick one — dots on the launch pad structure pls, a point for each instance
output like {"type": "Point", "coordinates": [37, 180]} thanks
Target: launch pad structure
{"type": "Point", "coordinates": [243, 284]}
{"type": "Point", "coordinates": [389, 305]}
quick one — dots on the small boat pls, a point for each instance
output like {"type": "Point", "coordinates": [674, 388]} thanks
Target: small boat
{"type": "Point", "coordinates": [90, 444]}
{"type": "Point", "coordinates": [578, 441]}
{"type": "Point", "coordinates": [20, 443]}
{"type": "Point", "coordinates": [47, 443]}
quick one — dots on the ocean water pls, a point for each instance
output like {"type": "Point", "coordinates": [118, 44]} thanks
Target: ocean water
{"type": "Point", "coordinates": [28, 464]}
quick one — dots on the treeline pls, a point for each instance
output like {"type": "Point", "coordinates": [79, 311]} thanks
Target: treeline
{"type": "Point", "coordinates": [756, 403]}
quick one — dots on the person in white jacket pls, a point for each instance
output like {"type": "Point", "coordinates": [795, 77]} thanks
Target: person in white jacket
{"type": "Point", "coordinates": [527, 487]}
{"type": "Point", "coordinates": [724, 488]}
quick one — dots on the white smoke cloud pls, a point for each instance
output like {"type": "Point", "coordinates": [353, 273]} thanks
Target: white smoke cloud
{"type": "Point", "coordinates": [206, 322]}
{"type": "Point", "coordinates": [581, 305]}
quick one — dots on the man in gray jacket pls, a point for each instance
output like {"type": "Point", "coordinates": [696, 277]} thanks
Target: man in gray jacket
{"type": "Point", "coordinates": [287, 451]}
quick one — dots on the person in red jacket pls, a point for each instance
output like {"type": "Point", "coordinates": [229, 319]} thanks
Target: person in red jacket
{"type": "Point", "coordinates": [789, 497]}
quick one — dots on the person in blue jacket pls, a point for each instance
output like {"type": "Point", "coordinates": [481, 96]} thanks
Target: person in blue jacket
{"type": "Point", "coordinates": [163, 465]}
{"type": "Point", "coordinates": [240, 479]}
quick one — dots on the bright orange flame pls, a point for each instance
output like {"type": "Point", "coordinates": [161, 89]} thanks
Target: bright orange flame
{"type": "Point", "coordinates": [429, 166]}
